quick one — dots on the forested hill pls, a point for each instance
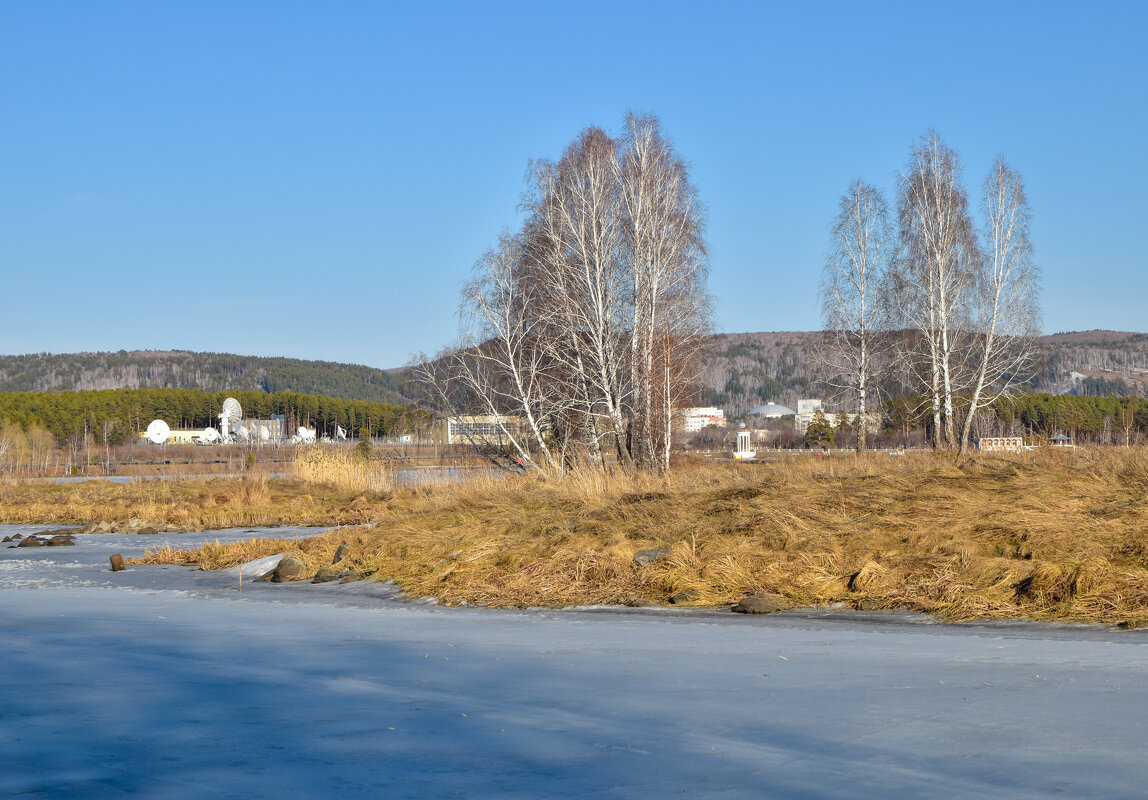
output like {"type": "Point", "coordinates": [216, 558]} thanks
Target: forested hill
{"type": "Point", "coordinates": [211, 372]}
{"type": "Point", "coordinates": [748, 369]}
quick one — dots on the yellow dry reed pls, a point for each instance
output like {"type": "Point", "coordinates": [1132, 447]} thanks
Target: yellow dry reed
{"type": "Point", "coordinates": [342, 469]}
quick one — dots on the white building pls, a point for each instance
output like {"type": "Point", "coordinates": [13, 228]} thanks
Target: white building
{"type": "Point", "coordinates": [1001, 444]}
{"type": "Point", "coordinates": [805, 411]}
{"type": "Point", "coordinates": [697, 418]}
{"type": "Point", "coordinates": [477, 429]}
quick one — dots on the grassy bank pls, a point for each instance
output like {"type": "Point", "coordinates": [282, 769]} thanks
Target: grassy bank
{"type": "Point", "coordinates": [1054, 535]}
{"type": "Point", "coordinates": [189, 504]}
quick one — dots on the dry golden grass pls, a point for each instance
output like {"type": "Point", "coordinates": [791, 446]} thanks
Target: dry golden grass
{"type": "Point", "coordinates": [188, 504]}
{"type": "Point", "coordinates": [1050, 535]}
{"type": "Point", "coordinates": [316, 551]}
{"type": "Point", "coordinates": [342, 469]}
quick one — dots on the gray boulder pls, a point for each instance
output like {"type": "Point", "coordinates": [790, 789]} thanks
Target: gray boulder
{"type": "Point", "coordinates": [58, 532]}
{"type": "Point", "coordinates": [685, 596]}
{"type": "Point", "coordinates": [341, 553]}
{"type": "Point", "coordinates": [644, 557]}
{"type": "Point", "coordinates": [761, 604]}
{"type": "Point", "coordinates": [289, 568]}
{"type": "Point", "coordinates": [634, 601]}
{"type": "Point", "coordinates": [332, 573]}
{"type": "Point", "coordinates": [31, 541]}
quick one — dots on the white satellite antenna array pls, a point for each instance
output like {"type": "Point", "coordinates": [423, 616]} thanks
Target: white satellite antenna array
{"type": "Point", "coordinates": [305, 435]}
{"type": "Point", "coordinates": [158, 432]}
{"type": "Point", "coordinates": [232, 415]}
{"type": "Point", "coordinates": [231, 429]}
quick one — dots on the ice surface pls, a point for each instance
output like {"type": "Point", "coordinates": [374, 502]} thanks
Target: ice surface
{"type": "Point", "coordinates": [168, 683]}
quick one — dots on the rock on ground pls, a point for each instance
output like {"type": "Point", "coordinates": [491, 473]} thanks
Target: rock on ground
{"type": "Point", "coordinates": [332, 573]}
{"type": "Point", "coordinates": [761, 604]}
{"type": "Point", "coordinates": [644, 557]}
{"type": "Point", "coordinates": [289, 568]}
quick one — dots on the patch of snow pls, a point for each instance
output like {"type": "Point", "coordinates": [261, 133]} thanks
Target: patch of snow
{"type": "Point", "coordinates": [254, 569]}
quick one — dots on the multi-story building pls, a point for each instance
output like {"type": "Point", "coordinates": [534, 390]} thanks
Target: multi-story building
{"type": "Point", "coordinates": [805, 411]}
{"type": "Point", "coordinates": [697, 418]}
{"type": "Point", "coordinates": [484, 430]}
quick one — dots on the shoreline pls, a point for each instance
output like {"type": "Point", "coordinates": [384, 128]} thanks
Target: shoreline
{"type": "Point", "coordinates": [92, 571]}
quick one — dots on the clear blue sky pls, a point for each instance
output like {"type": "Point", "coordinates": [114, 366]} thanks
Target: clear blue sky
{"type": "Point", "coordinates": [315, 180]}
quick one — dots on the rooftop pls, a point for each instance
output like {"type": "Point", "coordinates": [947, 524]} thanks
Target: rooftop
{"type": "Point", "coordinates": [771, 410]}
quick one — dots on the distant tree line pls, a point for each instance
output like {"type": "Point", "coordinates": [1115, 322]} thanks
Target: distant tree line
{"type": "Point", "coordinates": [122, 414]}
{"type": "Point", "coordinates": [1104, 420]}
{"type": "Point", "coordinates": [1099, 420]}
{"type": "Point", "coordinates": [1105, 387]}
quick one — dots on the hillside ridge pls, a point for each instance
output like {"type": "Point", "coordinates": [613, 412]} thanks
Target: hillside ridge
{"type": "Point", "coordinates": [185, 369]}
{"type": "Point", "coordinates": [748, 369]}
{"type": "Point", "coordinates": [744, 370]}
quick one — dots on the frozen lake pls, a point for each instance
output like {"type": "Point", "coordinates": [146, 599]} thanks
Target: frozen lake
{"type": "Point", "coordinates": [167, 683]}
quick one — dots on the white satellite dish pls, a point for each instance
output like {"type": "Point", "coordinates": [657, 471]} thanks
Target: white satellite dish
{"type": "Point", "coordinates": [340, 433]}
{"type": "Point", "coordinates": [264, 434]}
{"type": "Point", "coordinates": [242, 433]}
{"type": "Point", "coordinates": [231, 416]}
{"type": "Point", "coordinates": [209, 435]}
{"type": "Point", "coordinates": [306, 436]}
{"type": "Point", "coordinates": [158, 432]}
{"type": "Point", "coordinates": [232, 410]}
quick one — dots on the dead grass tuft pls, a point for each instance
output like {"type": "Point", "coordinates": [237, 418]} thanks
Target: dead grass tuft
{"type": "Point", "coordinates": [189, 504]}
{"type": "Point", "coordinates": [316, 551]}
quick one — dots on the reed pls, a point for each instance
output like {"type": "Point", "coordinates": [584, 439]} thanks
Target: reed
{"type": "Point", "coordinates": [188, 504]}
{"type": "Point", "coordinates": [343, 469]}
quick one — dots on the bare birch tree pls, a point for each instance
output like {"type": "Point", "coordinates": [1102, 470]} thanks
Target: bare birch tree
{"type": "Point", "coordinates": [663, 223]}
{"type": "Point", "coordinates": [500, 313]}
{"type": "Point", "coordinates": [935, 275]}
{"type": "Point", "coordinates": [680, 349]}
{"type": "Point", "coordinates": [588, 323]}
{"type": "Point", "coordinates": [852, 349]}
{"type": "Point", "coordinates": [6, 446]}
{"type": "Point", "coordinates": [498, 366]}
{"type": "Point", "coordinates": [576, 208]}
{"type": "Point", "coordinates": [1006, 312]}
